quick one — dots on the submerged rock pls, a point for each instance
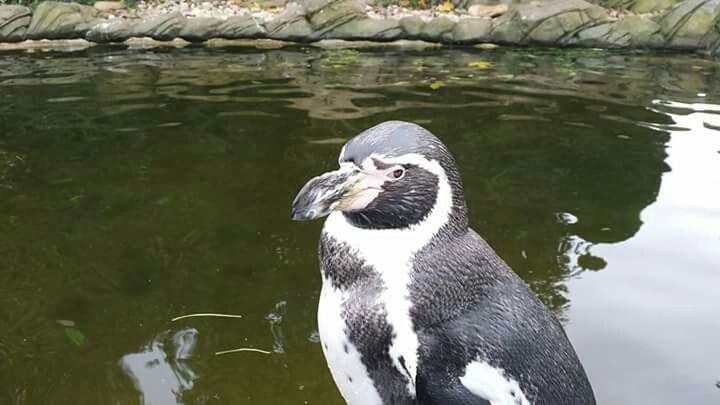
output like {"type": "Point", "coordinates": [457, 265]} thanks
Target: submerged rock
{"type": "Point", "coordinates": [14, 21]}
{"type": "Point", "coordinates": [55, 20]}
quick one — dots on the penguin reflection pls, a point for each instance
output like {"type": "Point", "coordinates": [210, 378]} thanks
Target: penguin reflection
{"type": "Point", "coordinates": [160, 371]}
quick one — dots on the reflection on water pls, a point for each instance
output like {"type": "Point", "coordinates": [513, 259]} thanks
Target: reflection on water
{"type": "Point", "coordinates": [159, 376]}
{"type": "Point", "coordinates": [137, 186]}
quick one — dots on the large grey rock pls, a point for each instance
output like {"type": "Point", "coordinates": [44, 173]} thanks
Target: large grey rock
{"type": "Point", "coordinates": [368, 29]}
{"type": "Point", "coordinates": [290, 25]}
{"type": "Point", "coordinates": [472, 30]}
{"type": "Point", "coordinates": [412, 26]}
{"type": "Point", "coordinates": [631, 32]}
{"type": "Point", "coordinates": [54, 20]}
{"type": "Point", "coordinates": [241, 26]}
{"type": "Point", "coordinates": [236, 27]}
{"type": "Point", "coordinates": [326, 15]}
{"type": "Point", "coordinates": [164, 27]}
{"type": "Point", "coordinates": [686, 24]}
{"type": "Point", "coordinates": [14, 21]}
{"type": "Point", "coordinates": [200, 29]}
{"type": "Point", "coordinates": [638, 6]}
{"type": "Point", "coordinates": [160, 28]}
{"type": "Point", "coordinates": [117, 30]}
{"type": "Point", "coordinates": [548, 23]}
{"type": "Point", "coordinates": [439, 29]}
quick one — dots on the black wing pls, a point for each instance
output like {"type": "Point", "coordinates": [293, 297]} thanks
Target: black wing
{"type": "Point", "coordinates": [470, 306]}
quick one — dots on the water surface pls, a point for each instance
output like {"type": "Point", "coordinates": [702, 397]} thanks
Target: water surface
{"type": "Point", "coordinates": [136, 186]}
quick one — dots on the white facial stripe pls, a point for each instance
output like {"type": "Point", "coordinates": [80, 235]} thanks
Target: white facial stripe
{"type": "Point", "coordinates": [390, 252]}
{"type": "Point", "coordinates": [492, 384]}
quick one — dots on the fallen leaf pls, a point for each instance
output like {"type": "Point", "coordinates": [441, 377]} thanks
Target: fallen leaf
{"type": "Point", "coordinates": [446, 7]}
{"type": "Point", "coordinates": [480, 64]}
{"type": "Point", "coordinates": [436, 85]}
{"type": "Point", "coordinates": [75, 336]}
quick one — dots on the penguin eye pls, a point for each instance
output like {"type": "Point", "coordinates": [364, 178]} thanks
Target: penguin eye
{"type": "Point", "coordinates": [397, 174]}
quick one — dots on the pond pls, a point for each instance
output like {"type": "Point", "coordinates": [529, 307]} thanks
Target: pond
{"type": "Point", "coordinates": [140, 185]}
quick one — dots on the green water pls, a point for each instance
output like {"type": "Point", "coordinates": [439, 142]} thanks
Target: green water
{"type": "Point", "coordinates": [136, 186]}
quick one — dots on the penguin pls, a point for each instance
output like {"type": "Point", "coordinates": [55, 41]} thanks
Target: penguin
{"type": "Point", "coordinates": [415, 307]}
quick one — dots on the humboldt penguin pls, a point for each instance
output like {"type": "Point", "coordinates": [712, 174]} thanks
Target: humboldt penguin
{"type": "Point", "coordinates": [415, 307]}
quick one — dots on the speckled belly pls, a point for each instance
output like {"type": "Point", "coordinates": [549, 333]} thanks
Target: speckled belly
{"type": "Point", "coordinates": [343, 358]}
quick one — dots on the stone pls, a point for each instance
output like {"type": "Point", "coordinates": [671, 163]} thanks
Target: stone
{"type": "Point", "coordinates": [368, 29]}
{"type": "Point", "coordinates": [290, 25]}
{"type": "Point", "coordinates": [439, 29]}
{"type": "Point", "coordinates": [631, 32]}
{"type": "Point", "coordinates": [686, 24]}
{"type": "Point", "coordinates": [55, 20]}
{"type": "Point", "coordinates": [200, 29]}
{"type": "Point", "coordinates": [639, 6]}
{"type": "Point", "coordinates": [326, 15]}
{"type": "Point", "coordinates": [14, 22]}
{"type": "Point", "coordinates": [643, 31]}
{"type": "Point", "coordinates": [117, 30]}
{"type": "Point", "coordinates": [412, 26]}
{"type": "Point", "coordinates": [160, 28]}
{"type": "Point", "coordinates": [649, 6]}
{"type": "Point", "coordinates": [471, 30]}
{"type": "Point", "coordinates": [490, 11]}
{"type": "Point", "coordinates": [547, 23]}
{"type": "Point", "coordinates": [105, 6]}
{"type": "Point", "coordinates": [240, 27]}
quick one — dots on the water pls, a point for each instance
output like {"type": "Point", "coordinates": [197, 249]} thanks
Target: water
{"type": "Point", "coordinates": [136, 186]}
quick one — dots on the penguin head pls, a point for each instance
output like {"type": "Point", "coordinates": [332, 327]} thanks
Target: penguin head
{"type": "Point", "coordinates": [395, 175]}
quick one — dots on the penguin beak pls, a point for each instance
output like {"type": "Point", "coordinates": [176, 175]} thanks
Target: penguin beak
{"type": "Point", "coordinates": [346, 189]}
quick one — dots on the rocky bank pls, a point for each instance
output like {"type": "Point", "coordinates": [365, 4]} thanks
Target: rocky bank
{"type": "Point", "coordinates": [658, 24]}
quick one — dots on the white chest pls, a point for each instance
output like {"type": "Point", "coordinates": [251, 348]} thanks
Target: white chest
{"type": "Point", "coordinates": [389, 254]}
{"type": "Point", "coordinates": [343, 358]}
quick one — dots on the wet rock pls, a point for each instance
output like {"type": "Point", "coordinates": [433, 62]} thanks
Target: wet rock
{"type": "Point", "coordinates": [471, 30]}
{"type": "Point", "coordinates": [368, 29]}
{"type": "Point", "coordinates": [54, 20]}
{"type": "Point", "coordinates": [439, 29]}
{"type": "Point", "coordinates": [412, 26]}
{"type": "Point", "coordinates": [14, 21]}
{"type": "Point", "coordinates": [117, 30]}
{"type": "Point", "coordinates": [326, 15]}
{"type": "Point", "coordinates": [630, 32]}
{"type": "Point", "coordinates": [490, 11]}
{"type": "Point", "coordinates": [242, 26]}
{"type": "Point", "coordinates": [200, 29]}
{"type": "Point", "coordinates": [548, 23]}
{"type": "Point", "coordinates": [686, 24]}
{"type": "Point", "coordinates": [290, 25]}
{"type": "Point", "coordinates": [160, 28]}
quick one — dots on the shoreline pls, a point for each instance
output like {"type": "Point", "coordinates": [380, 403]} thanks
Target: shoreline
{"type": "Point", "coordinates": [689, 25]}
